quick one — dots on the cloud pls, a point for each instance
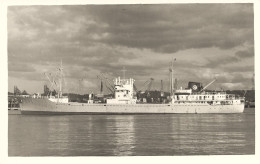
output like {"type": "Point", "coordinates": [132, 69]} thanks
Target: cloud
{"type": "Point", "coordinates": [178, 27]}
{"type": "Point", "coordinates": [94, 39]}
{"type": "Point", "coordinates": [245, 53]}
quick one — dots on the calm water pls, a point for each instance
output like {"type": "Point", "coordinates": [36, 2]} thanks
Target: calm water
{"type": "Point", "coordinates": [131, 135]}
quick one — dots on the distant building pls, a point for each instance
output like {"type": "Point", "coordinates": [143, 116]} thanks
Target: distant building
{"type": "Point", "coordinates": [36, 95]}
{"type": "Point", "coordinates": [24, 95]}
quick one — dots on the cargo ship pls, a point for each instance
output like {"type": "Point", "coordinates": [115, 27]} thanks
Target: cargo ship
{"type": "Point", "coordinates": [194, 99]}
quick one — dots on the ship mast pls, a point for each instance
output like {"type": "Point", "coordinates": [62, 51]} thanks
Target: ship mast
{"type": "Point", "coordinates": [170, 80]}
{"type": "Point", "coordinates": [171, 76]}
{"type": "Point", "coordinates": [60, 80]}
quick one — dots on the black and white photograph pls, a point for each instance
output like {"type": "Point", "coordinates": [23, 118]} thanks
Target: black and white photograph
{"type": "Point", "coordinates": [123, 80]}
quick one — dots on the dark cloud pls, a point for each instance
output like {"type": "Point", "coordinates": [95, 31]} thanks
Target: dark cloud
{"type": "Point", "coordinates": [178, 27]}
{"type": "Point", "coordinates": [245, 53]}
{"type": "Point", "coordinates": [163, 28]}
{"type": "Point", "coordinates": [92, 39]}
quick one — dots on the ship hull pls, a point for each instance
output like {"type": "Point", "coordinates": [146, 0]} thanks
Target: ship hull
{"type": "Point", "coordinates": [44, 106]}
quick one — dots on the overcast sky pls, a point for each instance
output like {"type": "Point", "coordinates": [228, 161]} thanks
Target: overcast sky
{"type": "Point", "coordinates": [207, 40]}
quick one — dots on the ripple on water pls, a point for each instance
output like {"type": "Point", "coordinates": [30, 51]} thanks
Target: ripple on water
{"type": "Point", "coordinates": [123, 135]}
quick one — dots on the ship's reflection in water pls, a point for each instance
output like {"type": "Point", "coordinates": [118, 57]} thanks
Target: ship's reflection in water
{"type": "Point", "coordinates": [127, 135]}
{"type": "Point", "coordinates": [124, 135]}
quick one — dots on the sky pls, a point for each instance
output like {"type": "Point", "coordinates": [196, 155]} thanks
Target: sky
{"type": "Point", "coordinates": [208, 41]}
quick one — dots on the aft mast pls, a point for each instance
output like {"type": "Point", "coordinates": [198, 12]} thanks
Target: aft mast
{"type": "Point", "coordinates": [171, 81]}
{"type": "Point", "coordinates": [171, 76]}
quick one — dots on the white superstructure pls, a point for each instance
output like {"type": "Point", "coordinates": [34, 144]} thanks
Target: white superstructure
{"type": "Point", "coordinates": [212, 98]}
{"type": "Point", "coordinates": [62, 99]}
{"type": "Point", "coordinates": [124, 92]}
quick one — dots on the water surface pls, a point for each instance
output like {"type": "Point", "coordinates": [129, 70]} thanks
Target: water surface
{"type": "Point", "coordinates": [132, 135]}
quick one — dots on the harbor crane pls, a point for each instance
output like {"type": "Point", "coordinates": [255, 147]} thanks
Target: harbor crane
{"type": "Point", "coordinates": [107, 82]}
{"type": "Point", "coordinates": [135, 88]}
{"type": "Point", "coordinates": [147, 85]}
